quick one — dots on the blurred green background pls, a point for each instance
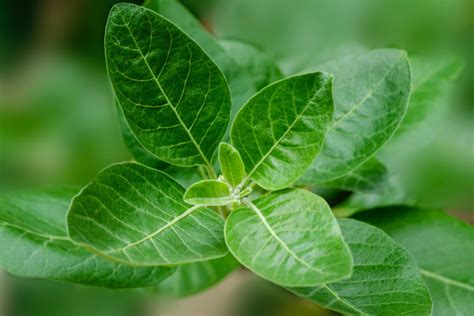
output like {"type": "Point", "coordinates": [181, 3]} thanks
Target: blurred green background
{"type": "Point", "coordinates": [58, 123]}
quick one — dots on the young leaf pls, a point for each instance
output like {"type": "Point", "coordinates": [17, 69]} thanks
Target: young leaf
{"type": "Point", "coordinates": [281, 128]}
{"type": "Point", "coordinates": [232, 167]}
{"type": "Point", "coordinates": [209, 192]}
{"type": "Point", "coordinates": [385, 280]}
{"type": "Point", "coordinates": [136, 215]}
{"type": "Point", "coordinates": [241, 83]}
{"type": "Point", "coordinates": [34, 244]}
{"type": "Point", "coordinates": [195, 277]}
{"type": "Point", "coordinates": [174, 98]}
{"type": "Point", "coordinates": [443, 247]}
{"type": "Point", "coordinates": [370, 177]}
{"type": "Point", "coordinates": [370, 99]}
{"type": "Point", "coordinates": [289, 237]}
{"type": "Point", "coordinates": [262, 69]}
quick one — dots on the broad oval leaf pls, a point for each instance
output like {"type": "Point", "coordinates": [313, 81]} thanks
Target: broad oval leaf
{"type": "Point", "coordinates": [209, 192]}
{"type": "Point", "coordinates": [279, 131]}
{"type": "Point", "coordinates": [196, 277]}
{"type": "Point", "coordinates": [371, 93]}
{"type": "Point", "coordinates": [135, 214]}
{"type": "Point", "coordinates": [289, 237]}
{"type": "Point", "coordinates": [232, 167]}
{"type": "Point", "coordinates": [371, 177]}
{"type": "Point", "coordinates": [35, 244]}
{"type": "Point", "coordinates": [444, 249]}
{"type": "Point", "coordinates": [385, 279]}
{"type": "Point", "coordinates": [174, 98]}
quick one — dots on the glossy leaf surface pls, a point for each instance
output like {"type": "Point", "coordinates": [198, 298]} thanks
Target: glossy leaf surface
{"type": "Point", "coordinates": [195, 277]}
{"type": "Point", "coordinates": [34, 244]}
{"type": "Point", "coordinates": [370, 100]}
{"type": "Point", "coordinates": [208, 192]}
{"type": "Point", "coordinates": [134, 214]}
{"type": "Point", "coordinates": [280, 130]}
{"type": "Point", "coordinates": [444, 249]}
{"type": "Point", "coordinates": [385, 279]}
{"type": "Point", "coordinates": [289, 237]}
{"type": "Point", "coordinates": [232, 167]}
{"type": "Point", "coordinates": [174, 98]}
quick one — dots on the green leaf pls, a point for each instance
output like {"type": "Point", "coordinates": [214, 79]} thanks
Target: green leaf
{"type": "Point", "coordinates": [430, 80]}
{"type": "Point", "coordinates": [385, 280]}
{"type": "Point", "coordinates": [196, 277]}
{"type": "Point", "coordinates": [262, 69]}
{"type": "Point", "coordinates": [370, 177]}
{"type": "Point", "coordinates": [209, 192]}
{"type": "Point", "coordinates": [370, 99]}
{"type": "Point", "coordinates": [241, 83]}
{"type": "Point", "coordinates": [232, 167]}
{"type": "Point", "coordinates": [281, 128]}
{"type": "Point", "coordinates": [443, 247]}
{"type": "Point", "coordinates": [138, 152]}
{"type": "Point", "coordinates": [35, 244]}
{"type": "Point", "coordinates": [174, 98]}
{"type": "Point", "coordinates": [289, 237]}
{"type": "Point", "coordinates": [134, 214]}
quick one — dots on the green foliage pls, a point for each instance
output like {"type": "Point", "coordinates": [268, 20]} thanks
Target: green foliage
{"type": "Point", "coordinates": [385, 280]}
{"type": "Point", "coordinates": [134, 225]}
{"type": "Point", "coordinates": [35, 244]}
{"type": "Point", "coordinates": [279, 131]}
{"type": "Point", "coordinates": [442, 246]}
{"type": "Point", "coordinates": [289, 237]}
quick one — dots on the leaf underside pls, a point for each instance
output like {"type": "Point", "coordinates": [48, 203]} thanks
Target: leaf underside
{"type": "Point", "coordinates": [208, 192]}
{"type": "Point", "coordinates": [134, 214]}
{"type": "Point", "coordinates": [34, 244]}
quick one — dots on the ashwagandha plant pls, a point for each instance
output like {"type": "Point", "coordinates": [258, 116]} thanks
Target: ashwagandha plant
{"type": "Point", "coordinates": [249, 199]}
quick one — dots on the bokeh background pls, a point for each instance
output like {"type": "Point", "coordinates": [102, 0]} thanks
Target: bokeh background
{"type": "Point", "coordinates": [58, 123]}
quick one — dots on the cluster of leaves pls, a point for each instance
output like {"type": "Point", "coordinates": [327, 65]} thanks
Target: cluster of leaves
{"type": "Point", "coordinates": [177, 88]}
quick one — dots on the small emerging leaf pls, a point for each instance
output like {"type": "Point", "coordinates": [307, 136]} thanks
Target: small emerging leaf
{"type": "Point", "coordinates": [35, 244]}
{"type": "Point", "coordinates": [385, 280]}
{"type": "Point", "coordinates": [289, 237]}
{"type": "Point", "coordinates": [175, 99]}
{"type": "Point", "coordinates": [280, 130]}
{"type": "Point", "coordinates": [442, 245]}
{"type": "Point", "coordinates": [209, 192]}
{"type": "Point", "coordinates": [134, 214]}
{"type": "Point", "coordinates": [232, 167]}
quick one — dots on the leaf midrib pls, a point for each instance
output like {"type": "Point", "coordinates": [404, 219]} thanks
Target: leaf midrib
{"type": "Point", "coordinates": [272, 232]}
{"type": "Point", "coordinates": [158, 231]}
{"type": "Point", "coordinates": [366, 97]}
{"type": "Point", "coordinates": [443, 279]}
{"type": "Point", "coordinates": [206, 161]}
{"type": "Point", "coordinates": [269, 152]}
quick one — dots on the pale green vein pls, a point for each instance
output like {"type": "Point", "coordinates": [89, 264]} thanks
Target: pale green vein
{"type": "Point", "coordinates": [447, 280]}
{"type": "Point", "coordinates": [157, 232]}
{"type": "Point", "coordinates": [206, 161]}
{"type": "Point", "coordinates": [343, 301]}
{"type": "Point", "coordinates": [262, 218]}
